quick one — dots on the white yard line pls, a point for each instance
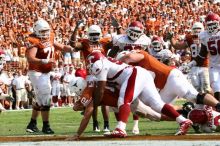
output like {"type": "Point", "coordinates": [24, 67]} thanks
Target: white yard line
{"type": "Point", "coordinates": [115, 143]}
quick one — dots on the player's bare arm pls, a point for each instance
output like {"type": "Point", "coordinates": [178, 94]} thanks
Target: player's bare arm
{"type": "Point", "coordinates": [31, 56]}
{"type": "Point", "coordinates": [61, 47]}
{"type": "Point", "coordinates": [84, 122]}
{"type": "Point", "coordinates": [73, 36]}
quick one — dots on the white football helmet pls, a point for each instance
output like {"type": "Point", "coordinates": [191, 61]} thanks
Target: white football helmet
{"type": "Point", "coordinates": [42, 29]}
{"type": "Point", "coordinates": [94, 33]}
{"type": "Point", "coordinates": [77, 85]}
{"type": "Point", "coordinates": [197, 28]}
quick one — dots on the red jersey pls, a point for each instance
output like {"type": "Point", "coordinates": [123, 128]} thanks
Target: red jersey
{"type": "Point", "coordinates": [195, 46]}
{"type": "Point", "coordinates": [110, 98]}
{"type": "Point", "coordinates": [88, 47]}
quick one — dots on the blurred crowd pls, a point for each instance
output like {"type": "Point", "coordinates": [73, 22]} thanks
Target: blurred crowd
{"type": "Point", "coordinates": [158, 16]}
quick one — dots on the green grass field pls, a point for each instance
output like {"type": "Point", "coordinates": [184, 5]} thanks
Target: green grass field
{"type": "Point", "coordinates": [64, 121]}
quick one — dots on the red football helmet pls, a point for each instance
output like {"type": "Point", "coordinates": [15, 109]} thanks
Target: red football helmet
{"type": "Point", "coordinates": [198, 116]}
{"type": "Point", "coordinates": [135, 30]}
{"type": "Point", "coordinates": [81, 73]}
{"type": "Point", "coordinates": [95, 62]}
{"type": "Point", "coordinates": [212, 21]}
{"type": "Point", "coordinates": [157, 43]}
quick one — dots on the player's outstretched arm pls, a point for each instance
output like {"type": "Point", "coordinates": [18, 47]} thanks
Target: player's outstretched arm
{"type": "Point", "coordinates": [84, 122]}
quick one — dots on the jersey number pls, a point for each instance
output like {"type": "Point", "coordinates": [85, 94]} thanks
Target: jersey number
{"type": "Point", "coordinates": [214, 47]}
{"type": "Point", "coordinates": [49, 51]}
{"type": "Point", "coordinates": [194, 50]}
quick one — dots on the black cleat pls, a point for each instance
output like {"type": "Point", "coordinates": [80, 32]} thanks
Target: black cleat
{"type": "Point", "coordinates": [47, 130]}
{"type": "Point", "coordinates": [96, 126]}
{"type": "Point", "coordinates": [32, 128]}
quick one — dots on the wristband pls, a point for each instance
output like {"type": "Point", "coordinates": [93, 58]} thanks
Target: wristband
{"type": "Point", "coordinates": [44, 61]}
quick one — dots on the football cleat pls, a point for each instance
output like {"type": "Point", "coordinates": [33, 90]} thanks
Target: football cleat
{"type": "Point", "coordinates": [135, 130]}
{"type": "Point", "coordinates": [106, 130]}
{"type": "Point", "coordinates": [96, 126]}
{"type": "Point", "coordinates": [117, 133]}
{"type": "Point", "coordinates": [32, 128]}
{"type": "Point", "coordinates": [184, 127]}
{"type": "Point", "coordinates": [47, 130]}
{"type": "Point", "coordinates": [96, 129]}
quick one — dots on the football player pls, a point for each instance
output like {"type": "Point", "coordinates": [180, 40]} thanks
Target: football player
{"type": "Point", "coordinates": [133, 39]}
{"type": "Point", "coordinates": [198, 74]}
{"type": "Point", "coordinates": [87, 46]}
{"type": "Point", "coordinates": [157, 50]}
{"type": "Point", "coordinates": [40, 56]}
{"type": "Point", "coordinates": [170, 81]}
{"type": "Point", "coordinates": [132, 84]}
{"type": "Point", "coordinates": [110, 98]}
{"type": "Point", "coordinates": [205, 118]}
{"type": "Point", "coordinates": [210, 46]}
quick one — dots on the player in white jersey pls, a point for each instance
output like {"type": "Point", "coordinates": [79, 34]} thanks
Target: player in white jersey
{"type": "Point", "coordinates": [157, 50]}
{"type": "Point", "coordinates": [56, 92]}
{"type": "Point", "coordinates": [132, 40]}
{"type": "Point", "coordinates": [210, 46]}
{"type": "Point", "coordinates": [133, 82]}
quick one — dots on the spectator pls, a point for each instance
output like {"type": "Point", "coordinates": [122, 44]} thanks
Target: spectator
{"type": "Point", "coordinates": [19, 84]}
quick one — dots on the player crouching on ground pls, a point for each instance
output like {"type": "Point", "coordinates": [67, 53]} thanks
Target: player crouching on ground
{"type": "Point", "coordinates": [110, 98]}
{"type": "Point", "coordinates": [204, 118]}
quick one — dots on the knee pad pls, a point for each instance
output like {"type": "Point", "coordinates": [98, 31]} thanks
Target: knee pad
{"type": "Point", "coordinates": [45, 108]}
{"type": "Point", "coordinates": [217, 95]}
{"type": "Point", "coordinates": [36, 107]}
{"type": "Point", "coordinates": [200, 98]}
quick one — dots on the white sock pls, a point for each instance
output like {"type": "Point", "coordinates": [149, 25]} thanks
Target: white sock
{"type": "Point", "coordinates": [180, 119]}
{"type": "Point", "coordinates": [135, 123]}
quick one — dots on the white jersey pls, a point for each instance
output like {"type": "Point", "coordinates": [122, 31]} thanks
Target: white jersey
{"type": "Point", "coordinates": [211, 46]}
{"type": "Point", "coordinates": [124, 43]}
{"type": "Point", "coordinates": [113, 71]}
